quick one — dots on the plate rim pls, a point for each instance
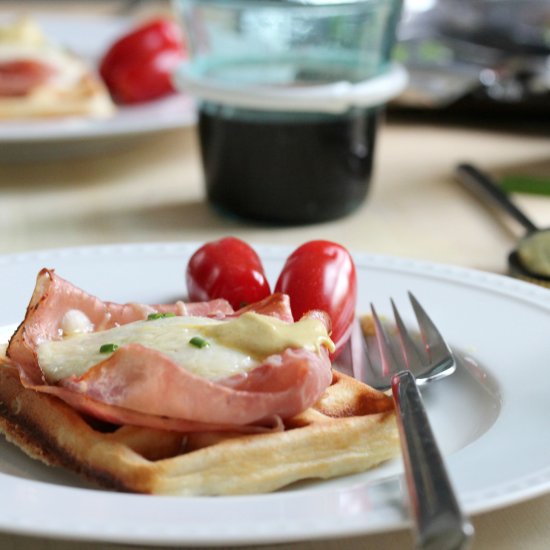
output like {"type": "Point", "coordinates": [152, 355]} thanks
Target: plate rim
{"type": "Point", "coordinates": [136, 120]}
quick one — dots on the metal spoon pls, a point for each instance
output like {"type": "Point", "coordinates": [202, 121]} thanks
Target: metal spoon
{"type": "Point", "coordinates": [531, 258]}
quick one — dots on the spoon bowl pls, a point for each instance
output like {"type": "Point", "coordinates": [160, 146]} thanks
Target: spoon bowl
{"type": "Point", "coordinates": [517, 269]}
{"type": "Point", "coordinates": [530, 260]}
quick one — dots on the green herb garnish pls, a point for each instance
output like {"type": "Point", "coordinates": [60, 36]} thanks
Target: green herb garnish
{"type": "Point", "coordinates": [530, 185]}
{"type": "Point", "coordinates": [198, 342]}
{"type": "Point", "coordinates": [153, 316]}
{"type": "Point", "coordinates": [108, 348]}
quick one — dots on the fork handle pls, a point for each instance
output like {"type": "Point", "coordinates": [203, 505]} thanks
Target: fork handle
{"type": "Point", "coordinates": [440, 523]}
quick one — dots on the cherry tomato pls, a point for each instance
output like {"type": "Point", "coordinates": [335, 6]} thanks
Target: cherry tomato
{"type": "Point", "coordinates": [228, 268]}
{"type": "Point", "coordinates": [138, 67]}
{"type": "Point", "coordinates": [321, 275]}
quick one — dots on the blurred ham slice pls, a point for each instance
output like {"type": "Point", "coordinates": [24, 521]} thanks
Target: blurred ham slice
{"type": "Point", "coordinates": [20, 77]}
{"type": "Point", "coordinates": [141, 386]}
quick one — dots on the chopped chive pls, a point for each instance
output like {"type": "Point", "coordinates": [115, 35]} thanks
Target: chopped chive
{"type": "Point", "coordinates": [108, 348]}
{"type": "Point", "coordinates": [153, 316]}
{"type": "Point", "coordinates": [198, 342]}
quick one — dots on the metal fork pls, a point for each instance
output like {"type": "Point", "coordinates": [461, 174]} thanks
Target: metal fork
{"type": "Point", "coordinates": [439, 521]}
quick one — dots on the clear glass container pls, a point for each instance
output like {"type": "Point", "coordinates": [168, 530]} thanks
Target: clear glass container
{"type": "Point", "coordinates": [274, 161]}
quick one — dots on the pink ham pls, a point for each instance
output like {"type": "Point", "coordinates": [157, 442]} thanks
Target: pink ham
{"type": "Point", "coordinates": [119, 415]}
{"type": "Point", "coordinates": [138, 385]}
{"type": "Point", "coordinates": [20, 77]}
{"type": "Point", "coordinates": [53, 297]}
{"type": "Point", "coordinates": [277, 305]}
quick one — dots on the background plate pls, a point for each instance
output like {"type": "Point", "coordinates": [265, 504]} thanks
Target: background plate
{"type": "Point", "coordinates": [89, 36]}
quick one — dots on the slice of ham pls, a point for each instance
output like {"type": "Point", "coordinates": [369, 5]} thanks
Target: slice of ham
{"type": "Point", "coordinates": [139, 385]}
{"type": "Point", "coordinates": [121, 416]}
{"type": "Point", "coordinates": [21, 76]}
{"type": "Point", "coordinates": [53, 297]}
{"type": "Point", "coordinates": [277, 305]}
{"type": "Point", "coordinates": [144, 380]}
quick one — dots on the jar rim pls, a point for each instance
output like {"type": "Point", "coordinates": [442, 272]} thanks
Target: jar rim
{"type": "Point", "coordinates": [337, 97]}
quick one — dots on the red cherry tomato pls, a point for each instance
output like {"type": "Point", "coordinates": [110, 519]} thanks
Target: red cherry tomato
{"type": "Point", "coordinates": [321, 275]}
{"type": "Point", "coordinates": [228, 268]}
{"type": "Point", "coordinates": [138, 67]}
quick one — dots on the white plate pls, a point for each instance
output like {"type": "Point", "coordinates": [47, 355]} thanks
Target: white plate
{"type": "Point", "coordinates": [168, 113]}
{"type": "Point", "coordinates": [490, 416]}
{"type": "Point", "coordinates": [89, 36]}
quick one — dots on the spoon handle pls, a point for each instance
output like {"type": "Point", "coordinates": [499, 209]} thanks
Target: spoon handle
{"type": "Point", "coordinates": [486, 188]}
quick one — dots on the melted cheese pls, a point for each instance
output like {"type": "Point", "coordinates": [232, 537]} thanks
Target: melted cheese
{"type": "Point", "coordinates": [261, 335]}
{"type": "Point", "coordinates": [235, 345]}
{"type": "Point", "coordinates": [75, 322]}
{"type": "Point", "coordinates": [22, 31]}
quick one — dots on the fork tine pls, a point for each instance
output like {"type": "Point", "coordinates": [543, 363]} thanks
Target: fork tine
{"type": "Point", "coordinates": [436, 346]}
{"type": "Point", "coordinates": [412, 358]}
{"type": "Point", "coordinates": [389, 363]}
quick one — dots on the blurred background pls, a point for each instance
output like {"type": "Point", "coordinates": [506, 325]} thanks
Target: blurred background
{"type": "Point", "coordinates": [477, 91]}
{"type": "Point", "coordinates": [477, 56]}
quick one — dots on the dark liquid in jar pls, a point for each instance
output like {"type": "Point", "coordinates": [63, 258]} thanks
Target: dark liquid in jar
{"type": "Point", "coordinates": [292, 169]}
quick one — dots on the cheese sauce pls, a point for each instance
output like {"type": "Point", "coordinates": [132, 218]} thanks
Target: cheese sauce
{"type": "Point", "coordinates": [22, 31]}
{"type": "Point", "coordinates": [235, 345]}
{"type": "Point", "coordinates": [75, 322]}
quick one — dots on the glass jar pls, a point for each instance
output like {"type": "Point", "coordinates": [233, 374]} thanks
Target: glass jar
{"type": "Point", "coordinates": [289, 96]}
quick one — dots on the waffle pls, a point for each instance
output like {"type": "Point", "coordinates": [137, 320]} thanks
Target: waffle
{"type": "Point", "coordinates": [86, 97]}
{"type": "Point", "coordinates": [72, 89]}
{"type": "Point", "coordinates": [350, 429]}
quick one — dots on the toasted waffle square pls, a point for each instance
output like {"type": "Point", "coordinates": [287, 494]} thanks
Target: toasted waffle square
{"type": "Point", "coordinates": [350, 429]}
